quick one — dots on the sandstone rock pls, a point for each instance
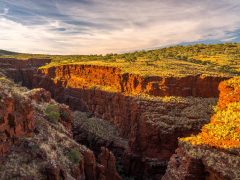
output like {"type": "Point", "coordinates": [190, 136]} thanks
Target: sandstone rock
{"type": "Point", "coordinates": [108, 161]}
{"type": "Point", "coordinates": [84, 76]}
{"type": "Point", "coordinates": [16, 116]}
{"type": "Point", "coordinates": [191, 162]}
{"type": "Point", "coordinates": [39, 95]}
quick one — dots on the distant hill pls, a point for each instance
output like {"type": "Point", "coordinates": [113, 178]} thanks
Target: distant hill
{"type": "Point", "coordinates": [3, 52]}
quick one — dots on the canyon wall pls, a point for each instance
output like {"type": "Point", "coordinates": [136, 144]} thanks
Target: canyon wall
{"type": "Point", "coordinates": [44, 149]}
{"type": "Point", "coordinates": [80, 76]}
{"type": "Point", "coordinates": [85, 76]}
{"type": "Point", "coordinates": [214, 153]}
{"type": "Point", "coordinates": [151, 125]}
{"type": "Point", "coordinates": [16, 117]}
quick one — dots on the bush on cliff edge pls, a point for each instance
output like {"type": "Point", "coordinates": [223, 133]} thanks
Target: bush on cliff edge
{"type": "Point", "coordinates": [52, 113]}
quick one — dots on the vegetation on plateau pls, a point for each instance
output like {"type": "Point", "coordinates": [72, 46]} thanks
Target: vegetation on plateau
{"type": "Point", "coordinates": [233, 82]}
{"type": "Point", "coordinates": [214, 59]}
{"type": "Point", "coordinates": [223, 131]}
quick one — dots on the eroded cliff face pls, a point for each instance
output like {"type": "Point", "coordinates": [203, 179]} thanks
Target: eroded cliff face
{"type": "Point", "coordinates": [150, 125]}
{"type": "Point", "coordinates": [191, 162]}
{"type": "Point", "coordinates": [85, 76]}
{"type": "Point", "coordinates": [214, 153]}
{"type": "Point", "coordinates": [21, 70]}
{"type": "Point", "coordinates": [33, 146]}
{"type": "Point", "coordinates": [16, 116]}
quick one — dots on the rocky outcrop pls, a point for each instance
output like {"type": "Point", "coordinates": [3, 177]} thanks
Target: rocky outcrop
{"type": "Point", "coordinates": [8, 63]}
{"type": "Point", "coordinates": [108, 165]}
{"type": "Point", "coordinates": [215, 152]}
{"type": "Point", "coordinates": [184, 167]}
{"type": "Point", "coordinates": [229, 92]}
{"type": "Point", "coordinates": [21, 70]}
{"type": "Point", "coordinates": [44, 149]}
{"type": "Point", "coordinates": [16, 116]}
{"type": "Point", "coordinates": [191, 162]}
{"type": "Point", "coordinates": [39, 95]}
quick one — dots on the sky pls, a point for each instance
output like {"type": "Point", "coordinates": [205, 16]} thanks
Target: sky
{"type": "Point", "coordinates": [112, 26]}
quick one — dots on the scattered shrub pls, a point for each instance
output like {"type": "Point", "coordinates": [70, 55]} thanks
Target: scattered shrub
{"type": "Point", "coordinates": [74, 156]}
{"type": "Point", "coordinates": [52, 113]}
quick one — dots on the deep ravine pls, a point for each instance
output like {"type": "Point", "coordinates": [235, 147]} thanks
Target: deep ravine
{"type": "Point", "coordinates": [148, 126]}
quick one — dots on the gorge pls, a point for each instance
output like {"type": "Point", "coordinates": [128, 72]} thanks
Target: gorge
{"type": "Point", "coordinates": [149, 114]}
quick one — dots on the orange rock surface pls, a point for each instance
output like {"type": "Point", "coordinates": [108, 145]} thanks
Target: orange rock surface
{"type": "Point", "coordinates": [85, 76]}
{"type": "Point", "coordinates": [229, 92]}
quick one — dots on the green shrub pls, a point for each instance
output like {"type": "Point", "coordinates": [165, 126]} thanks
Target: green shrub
{"type": "Point", "coordinates": [74, 156]}
{"type": "Point", "coordinates": [52, 113]}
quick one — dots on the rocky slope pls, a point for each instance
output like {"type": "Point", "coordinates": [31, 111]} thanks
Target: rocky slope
{"type": "Point", "coordinates": [150, 125]}
{"type": "Point", "coordinates": [37, 143]}
{"type": "Point", "coordinates": [215, 152]}
{"type": "Point", "coordinates": [16, 116]}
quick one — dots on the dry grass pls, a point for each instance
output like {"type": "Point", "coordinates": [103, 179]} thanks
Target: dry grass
{"type": "Point", "coordinates": [217, 60]}
{"type": "Point", "coordinates": [164, 67]}
{"type": "Point", "coordinates": [223, 131]}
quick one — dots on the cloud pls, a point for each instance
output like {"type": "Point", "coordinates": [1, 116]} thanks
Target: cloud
{"type": "Point", "coordinates": [93, 26]}
{"type": "Point", "coordinates": [4, 12]}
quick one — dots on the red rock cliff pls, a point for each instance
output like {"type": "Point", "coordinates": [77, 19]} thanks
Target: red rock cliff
{"type": "Point", "coordinates": [16, 116]}
{"type": "Point", "coordinates": [211, 154]}
{"type": "Point", "coordinates": [84, 76]}
{"type": "Point", "coordinates": [152, 126]}
{"type": "Point", "coordinates": [29, 139]}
